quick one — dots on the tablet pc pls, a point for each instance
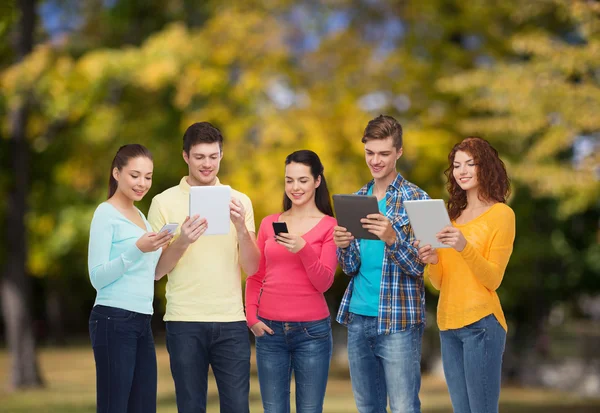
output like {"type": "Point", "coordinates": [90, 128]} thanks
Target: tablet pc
{"type": "Point", "coordinates": [212, 203]}
{"type": "Point", "coordinates": [350, 209]}
{"type": "Point", "coordinates": [427, 217]}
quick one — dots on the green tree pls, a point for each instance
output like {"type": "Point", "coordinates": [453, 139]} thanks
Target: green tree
{"type": "Point", "coordinates": [278, 76]}
{"type": "Point", "coordinates": [541, 108]}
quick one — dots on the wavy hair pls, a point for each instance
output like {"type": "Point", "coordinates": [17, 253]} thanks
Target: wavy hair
{"type": "Point", "coordinates": [494, 184]}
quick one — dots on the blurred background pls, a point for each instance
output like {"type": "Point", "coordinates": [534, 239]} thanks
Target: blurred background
{"type": "Point", "coordinates": [79, 78]}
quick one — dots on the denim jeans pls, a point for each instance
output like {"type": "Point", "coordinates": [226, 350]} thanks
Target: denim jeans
{"type": "Point", "coordinates": [225, 346]}
{"type": "Point", "coordinates": [383, 366]}
{"type": "Point", "coordinates": [302, 347]}
{"type": "Point", "coordinates": [472, 360]}
{"type": "Point", "coordinates": [125, 360]}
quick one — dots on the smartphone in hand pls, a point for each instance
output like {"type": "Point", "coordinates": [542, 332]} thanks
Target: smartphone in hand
{"type": "Point", "coordinates": [171, 227]}
{"type": "Point", "coordinates": [280, 227]}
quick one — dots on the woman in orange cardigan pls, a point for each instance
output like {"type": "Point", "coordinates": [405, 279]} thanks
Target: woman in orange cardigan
{"type": "Point", "coordinates": [470, 318]}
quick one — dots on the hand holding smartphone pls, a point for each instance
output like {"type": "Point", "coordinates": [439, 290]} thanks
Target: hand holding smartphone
{"type": "Point", "coordinates": [171, 228]}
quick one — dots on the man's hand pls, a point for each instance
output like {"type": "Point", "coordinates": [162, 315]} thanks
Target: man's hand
{"type": "Point", "coordinates": [237, 214]}
{"type": "Point", "coordinates": [342, 237]}
{"type": "Point", "coordinates": [381, 226]}
{"type": "Point", "coordinates": [453, 237]}
{"type": "Point", "coordinates": [192, 229]}
{"type": "Point", "coordinates": [259, 329]}
{"type": "Point", "coordinates": [427, 253]}
{"type": "Point", "coordinates": [293, 243]}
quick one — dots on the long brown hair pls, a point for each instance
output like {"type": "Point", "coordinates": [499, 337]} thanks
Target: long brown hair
{"type": "Point", "coordinates": [122, 157]}
{"type": "Point", "coordinates": [494, 184]}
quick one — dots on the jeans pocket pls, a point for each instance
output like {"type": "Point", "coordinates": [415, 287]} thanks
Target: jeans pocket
{"type": "Point", "coordinates": [350, 318]}
{"type": "Point", "coordinates": [177, 328]}
{"type": "Point", "coordinates": [265, 334]}
{"type": "Point", "coordinates": [93, 327]}
{"type": "Point", "coordinates": [319, 330]}
{"type": "Point", "coordinates": [97, 330]}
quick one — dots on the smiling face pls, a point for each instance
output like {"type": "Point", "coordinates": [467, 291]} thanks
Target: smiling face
{"type": "Point", "coordinates": [381, 157]}
{"type": "Point", "coordinates": [300, 185]}
{"type": "Point", "coordinates": [134, 179]}
{"type": "Point", "coordinates": [465, 171]}
{"type": "Point", "coordinates": [203, 162]}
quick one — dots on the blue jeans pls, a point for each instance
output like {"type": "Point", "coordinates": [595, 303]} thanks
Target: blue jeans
{"type": "Point", "coordinates": [383, 366]}
{"type": "Point", "coordinates": [302, 347]}
{"type": "Point", "coordinates": [125, 360]}
{"type": "Point", "coordinates": [472, 359]}
{"type": "Point", "coordinates": [225, 346]}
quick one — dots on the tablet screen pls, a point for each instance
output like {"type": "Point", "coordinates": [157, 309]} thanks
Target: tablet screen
{"type": "Point", "coordinates": [350, 209]}
{"type": "Point", "coordinates": [212, 203]}
{"type": "Point", "coordinates": [427, 217]}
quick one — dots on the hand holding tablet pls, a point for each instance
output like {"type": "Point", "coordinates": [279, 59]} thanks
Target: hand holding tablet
{"type": "Point", "coordinates": [237, 213]}
{"type": "Point", "coordinates": [192, 228]}
{"type": "Point", "coordinates": [349, 211]}
{"type": "Point", "coordinates": [381, 226]}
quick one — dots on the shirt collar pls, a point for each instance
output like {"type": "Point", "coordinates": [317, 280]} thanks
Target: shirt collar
{"type": "Point", "coordinates": [185, 187]}
{"type": "Point", "coordinates": [396, 183]}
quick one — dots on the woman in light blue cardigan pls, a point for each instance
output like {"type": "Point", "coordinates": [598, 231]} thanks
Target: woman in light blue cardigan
{"type": "Point", "coordinates": [123, 253]}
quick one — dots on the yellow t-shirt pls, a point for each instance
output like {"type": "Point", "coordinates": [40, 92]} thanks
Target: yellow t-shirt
{"type": "Point", "coordinates": [205, 285]}
{"type": "Point", "coordinates": [468, 280]}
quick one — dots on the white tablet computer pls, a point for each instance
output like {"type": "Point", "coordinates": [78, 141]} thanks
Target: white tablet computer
{"type": "Point", "coordinates": [427, 217]}
{"type": "Point", "coordinates": [212, 203]}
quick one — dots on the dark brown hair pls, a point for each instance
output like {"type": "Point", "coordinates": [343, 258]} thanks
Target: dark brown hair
{"type": "Point", "coordinates": [311, 159]}
{"type": "Point", "coordinates": [121, 159]}
{"type": "Point", "coordinates": [494, 184]}
{"type": "Point", "coordinates": [383, 127]}
{"type": "Point", "coordinates": [201, 132]}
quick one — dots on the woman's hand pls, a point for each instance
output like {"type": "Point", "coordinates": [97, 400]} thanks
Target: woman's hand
{"type": "Point", "coordinates": [427, 253]}
{"type": "Point", "coordinates": [293, 243]}
{"type": "Point", "coordinates": [259, 329]}
{"type": "Point", "coordinates": [453, 237]}
{"type": "Point", "coordinates": [152, 241]}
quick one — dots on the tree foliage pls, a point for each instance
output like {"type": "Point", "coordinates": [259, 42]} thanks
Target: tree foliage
{"type": "Point", "coordinates": [279, 76]}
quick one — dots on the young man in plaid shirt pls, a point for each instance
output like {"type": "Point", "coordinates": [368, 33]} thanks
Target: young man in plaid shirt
{"type": "Point", "coordinates": [384, 304]}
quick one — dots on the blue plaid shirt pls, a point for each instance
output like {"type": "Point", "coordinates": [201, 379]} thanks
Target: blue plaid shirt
{"type": "Point", "coordinates": [402, 292]}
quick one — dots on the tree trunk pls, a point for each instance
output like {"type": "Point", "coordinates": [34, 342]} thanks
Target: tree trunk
{"type": "Point", "coordinates": [16, 285]}
{"type": "Point", "coordinates": [54, 312]}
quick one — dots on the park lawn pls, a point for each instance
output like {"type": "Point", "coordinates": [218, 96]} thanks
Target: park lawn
{"type": "Point", "coordinates": [70, 377]}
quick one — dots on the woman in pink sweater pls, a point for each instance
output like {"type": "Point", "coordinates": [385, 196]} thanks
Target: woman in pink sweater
{"type": "Point", "coordinates": [285, 306]}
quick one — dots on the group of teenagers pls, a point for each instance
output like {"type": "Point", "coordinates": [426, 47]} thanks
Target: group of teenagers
{"type": "Point", "coordinates": [383, 307]}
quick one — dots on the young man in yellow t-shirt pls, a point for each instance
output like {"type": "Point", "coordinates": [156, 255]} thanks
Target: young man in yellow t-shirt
{"type": "Point", "coordinates": [205, 318]}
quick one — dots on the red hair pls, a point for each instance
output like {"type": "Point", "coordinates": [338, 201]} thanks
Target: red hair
{"type": "Point", "coordinates": [494, 184]}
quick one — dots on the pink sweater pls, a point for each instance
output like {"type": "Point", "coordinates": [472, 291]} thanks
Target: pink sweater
{"type": "Point", "coordinates": [287, 286]}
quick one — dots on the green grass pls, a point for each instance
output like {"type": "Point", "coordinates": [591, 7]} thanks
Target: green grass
{"type": "Point", "coordinates": [70, 378]}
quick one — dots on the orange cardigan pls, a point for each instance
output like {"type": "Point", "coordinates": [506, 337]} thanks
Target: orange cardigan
{"type": "Point", "coordinates": [468, 280]}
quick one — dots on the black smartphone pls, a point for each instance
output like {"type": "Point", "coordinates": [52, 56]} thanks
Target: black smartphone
{"type": "Point", "coordinates": [280, 227]}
